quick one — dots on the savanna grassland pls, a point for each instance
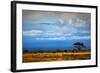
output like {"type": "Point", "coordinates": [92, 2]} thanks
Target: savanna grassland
{"type": "Point", "coordinates": [55, 56]}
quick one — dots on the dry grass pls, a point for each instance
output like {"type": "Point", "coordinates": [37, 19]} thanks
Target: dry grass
{"type": "Point", "coordinates": [57, 56]}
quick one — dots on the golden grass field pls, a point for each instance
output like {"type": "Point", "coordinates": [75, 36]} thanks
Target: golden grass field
{"type": "Point", "coordinates": [55, 56]}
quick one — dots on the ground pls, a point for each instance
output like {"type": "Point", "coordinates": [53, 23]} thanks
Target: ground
{"type": "Point", "coordinates": [55, 56]}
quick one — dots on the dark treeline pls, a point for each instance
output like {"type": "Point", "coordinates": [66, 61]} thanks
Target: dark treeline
{"type": "Point", "coordinates": [54, 51]}
{"type": "Point", "coordinates": [77, 47]}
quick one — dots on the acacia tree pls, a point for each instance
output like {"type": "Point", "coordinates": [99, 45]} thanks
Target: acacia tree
{"type": "Point", "coordinates": [79, 45]}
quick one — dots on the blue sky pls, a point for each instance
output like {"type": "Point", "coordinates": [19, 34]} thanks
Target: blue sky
{"type": "Point", "coordinates": [55, 26]}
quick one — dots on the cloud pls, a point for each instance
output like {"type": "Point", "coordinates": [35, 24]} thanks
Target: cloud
{"type": "Point", "coordinates": [79, 23]}
{"type": "Point", "coordinates": [80, 37]}
{"type": "Point", "coordinates": [51, 31]}
{"type": "Point", "coordinates": [55, 38]}
{"type": "Point", "coordinates": [84, 32]}
{"type": "Point", "coordinates": [53, 35]}
{"type": "Point", "coordinates": [65, 38]}
{"type": "Point", "coordinates": [74, 18]}
{"type": "Point", "coordinates": [55, 25]}
{"type": "Point", "coordinates": [55, 32]}
{"type": "Point", "coordinates": [32, 32]}
{"type": "Point", "coordinates": [46, 34]}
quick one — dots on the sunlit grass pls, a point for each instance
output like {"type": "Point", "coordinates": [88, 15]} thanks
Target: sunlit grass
{"type": "Point", "coordinates": [55, 56]}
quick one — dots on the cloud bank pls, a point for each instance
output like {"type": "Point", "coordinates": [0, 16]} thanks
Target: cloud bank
{"type": "Point", "coordinates": [56, 25]}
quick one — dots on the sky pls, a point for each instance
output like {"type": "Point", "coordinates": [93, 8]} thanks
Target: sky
{"type": "Point", "coordinates": [54, 28]}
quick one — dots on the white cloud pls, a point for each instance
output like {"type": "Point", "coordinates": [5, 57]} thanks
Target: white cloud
{"type": "Point", "coordinates": [64, 33]}
{"type": "Point", "coordinates": [84, 31]}
{"type": "Point", "coordinates": [53, 34]}
{"type": "Point", "coordinates": [80, 22]}
{"type": "Point", "coordinates": [32, 32]}
{"type": "Point", "coordinates": [55, 38]}
{"type": "Point", "coordinates": [57, 32]}
{"type": "Point", "coordinates": [79, 37]}
{"type": "Point", "coordinates": [65, 38]}
{"type": "Point", "coordinates": [77, 22]}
